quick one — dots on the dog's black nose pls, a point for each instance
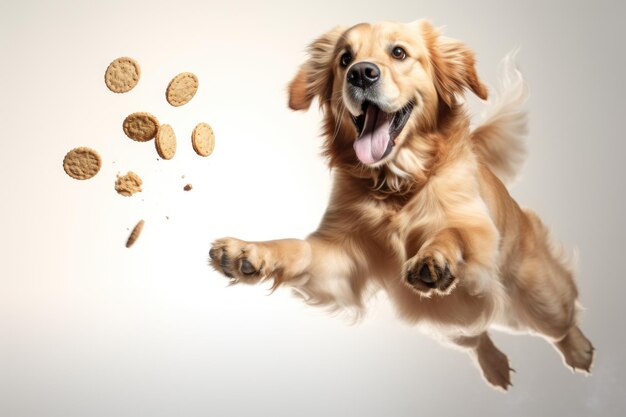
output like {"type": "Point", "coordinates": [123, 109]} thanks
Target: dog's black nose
{"type": "Point", "coordinates": [363, 74]}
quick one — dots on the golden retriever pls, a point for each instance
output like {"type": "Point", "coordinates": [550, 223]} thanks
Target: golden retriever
{"type": "Point", "coordinates": [418, 206]}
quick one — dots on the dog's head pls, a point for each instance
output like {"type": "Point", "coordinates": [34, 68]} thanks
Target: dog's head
{"type": "Point", "coordinates": [379, 83]}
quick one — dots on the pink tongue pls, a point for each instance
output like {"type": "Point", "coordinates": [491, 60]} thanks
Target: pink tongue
{"type": "Point", "coordinates": [372, 144]}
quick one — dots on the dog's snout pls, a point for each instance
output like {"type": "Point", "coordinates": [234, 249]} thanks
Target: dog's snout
{"type": "Point", "coordinates": [363, 74]}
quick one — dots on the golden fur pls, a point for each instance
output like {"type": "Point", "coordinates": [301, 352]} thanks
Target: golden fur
{"type": "Point", "coordinates": [431, 223]}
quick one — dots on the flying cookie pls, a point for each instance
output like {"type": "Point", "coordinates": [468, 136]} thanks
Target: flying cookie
{"type": "Point", "coordinates": [134, 235]}
{"type": "Point", "coordinates": [82, 163]}
{"type": "Point", "coordinates": [203, 139]}
{"type": "Point", "coordinates": [122, 75]}
{"type": "Point", "coordinates": [165, 142]}
{"type": "Point", "coordinates": [181, 89]}
{"type": "Point", "coordinates": [141, 126]}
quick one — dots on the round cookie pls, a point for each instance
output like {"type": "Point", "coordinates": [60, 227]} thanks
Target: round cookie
{"type": "Point", "coordinates": [203, 139]}
{"type": "Point", "coordinates": [181, 89]}
{"type": "Point", "coordinates": [82, 163]}
{"type": "Point", "coordinates": [140, 126]}
{"type": "Point", "coordinates": [165, 142]}
{"type": "Point", "coordinates": [122, 75]}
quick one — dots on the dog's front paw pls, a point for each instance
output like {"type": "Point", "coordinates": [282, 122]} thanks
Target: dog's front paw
{"type": "Point", "coordinates": [428, 273]}
{"type": "Point", "coordinates": [236, 259]}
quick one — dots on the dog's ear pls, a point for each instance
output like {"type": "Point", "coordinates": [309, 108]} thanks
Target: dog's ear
{"type": "Point", "coordinates": [314, 78]}
{"type": "Point", "coordinates": [453, 65]}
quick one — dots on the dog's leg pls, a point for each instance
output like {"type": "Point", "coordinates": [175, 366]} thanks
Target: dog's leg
{"type": "Point", "coordinates": [545, 298]}
{"type": "Point", "coordinates": [463, 254]}
{"type": "Point", "coordinates": [551, 311]}
{"type": "Point", "coordinates": [252, 261]}
{"type": "Point", "coordinates": [451, 238]}
{"type": "Point", "coordinates": [493, 363]}
{"type": "Point", "coordinates": [325, 271]}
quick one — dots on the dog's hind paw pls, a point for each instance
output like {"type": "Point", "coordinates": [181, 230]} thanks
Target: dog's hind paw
{"type": "Point", "coordinates": [495, 367]}
{"type": "Point", "coordinates": [577, 350]}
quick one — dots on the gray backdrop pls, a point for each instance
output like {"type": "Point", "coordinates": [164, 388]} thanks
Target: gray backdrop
{"type": "Point", "coordinates": [88, 327]}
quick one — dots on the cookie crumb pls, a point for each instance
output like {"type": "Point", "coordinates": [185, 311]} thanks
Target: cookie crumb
{"type": "Point", "coordinates": [187, 187]}
{"type": "Point", "coordinates": [128, 184]}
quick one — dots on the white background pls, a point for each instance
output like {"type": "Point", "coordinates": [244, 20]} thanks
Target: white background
{"type": "Point", "coordinates": [90, 328]}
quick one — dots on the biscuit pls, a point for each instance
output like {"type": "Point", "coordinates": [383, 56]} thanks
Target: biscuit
{"type": "Point", "coordinates": [128, 184]}
{"type": "Point", "coordinates": [140, 126]}
{"type": "Point", "coordinates": [203, 139]}
{"type": "Point", "coordinates": [181, 89]}
{"type": "Point", "coordinates": [165, 142]}
{"type": "Point", "coordinates": [134, 235]}
{"type": "Point", "coordinates": [82, 163]}
{"type": "Point", "coordinates": [122, 75]}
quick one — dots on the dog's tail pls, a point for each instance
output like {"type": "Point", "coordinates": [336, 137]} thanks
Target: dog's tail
{"type": "Point", "coordinates": [500, 137]}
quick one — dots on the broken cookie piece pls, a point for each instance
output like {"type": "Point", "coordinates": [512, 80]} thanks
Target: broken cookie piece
{"type": "Point", "coordinates": [128, 184]}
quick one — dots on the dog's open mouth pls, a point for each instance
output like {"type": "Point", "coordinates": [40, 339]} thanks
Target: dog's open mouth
{"type": "Point", "coordinates": [378, 131]}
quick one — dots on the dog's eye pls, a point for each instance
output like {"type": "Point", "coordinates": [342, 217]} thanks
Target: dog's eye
{"type": "Point", "coordinates": [346, 58]}
{"type": "Point", "coordinates": [398, 53]}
